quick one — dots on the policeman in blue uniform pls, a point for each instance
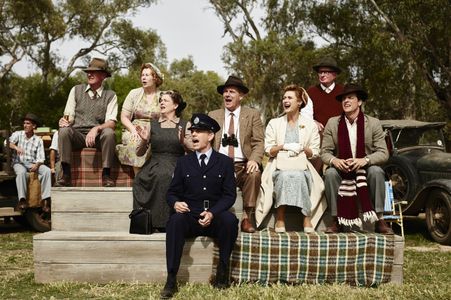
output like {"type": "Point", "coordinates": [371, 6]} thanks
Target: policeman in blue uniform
{"type": "Point", "coordinates": [201, 192]}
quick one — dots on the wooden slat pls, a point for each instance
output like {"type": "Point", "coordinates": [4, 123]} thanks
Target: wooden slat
{"type": "Point", "coordinates": [115, 221]}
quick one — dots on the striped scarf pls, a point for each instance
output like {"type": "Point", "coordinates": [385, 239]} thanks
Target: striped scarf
{"type": "Point", "coordinates": [353, 186]}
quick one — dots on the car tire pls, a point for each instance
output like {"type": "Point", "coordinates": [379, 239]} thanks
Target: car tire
{"type": "Point", "coordinates": [38, 220]}
{"type": "Point", "coordinates": [438, 216]}
{"type": "Point", "coordinates": [404, 177]}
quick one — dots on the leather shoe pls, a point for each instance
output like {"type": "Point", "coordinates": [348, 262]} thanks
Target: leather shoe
{"type": "Point", "coordinates": [335, 227]}
{"type": "Point", "coordinates": [22, 205]}
{"type": "Point", "coordinates": [169, 290]}
{"type": "Point", "coordinates": [383, 228]}
{"type": "Point", "coordinates": [63, 181]}
{"type": "Point", "coordinates": [246, 226]}
{"type": "Point", "coordinates": [107, 181]}
{"type": "Point", "coordinates": [222, 278]}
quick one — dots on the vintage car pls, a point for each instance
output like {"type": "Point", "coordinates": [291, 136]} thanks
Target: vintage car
{"type": "Point", "coordinates": [420, 170]}
{"type": "Point", "coordinates": [38, 219]}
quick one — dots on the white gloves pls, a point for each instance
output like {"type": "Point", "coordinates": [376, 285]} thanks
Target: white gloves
{"type": "Point", "coordinates": [294, 147]}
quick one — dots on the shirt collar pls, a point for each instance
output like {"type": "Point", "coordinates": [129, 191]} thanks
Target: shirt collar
{"type": "Point", "coordinates": [236, 112]}
{"type": "Point", "coordinates": [208, 153]}
{"type": "Point", "coordinates": [99, 90]}
{"type": "Point", "coordinates": [162, 119]}
{"type": "Point", "coordinates": [328, 89]}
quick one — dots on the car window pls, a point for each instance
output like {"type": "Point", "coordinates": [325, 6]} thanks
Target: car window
{"type": "Point", "coordinates": [410, 137]}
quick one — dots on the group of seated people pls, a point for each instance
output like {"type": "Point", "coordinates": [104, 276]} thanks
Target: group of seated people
{"type": "Point", "coordinates": [189, 195]}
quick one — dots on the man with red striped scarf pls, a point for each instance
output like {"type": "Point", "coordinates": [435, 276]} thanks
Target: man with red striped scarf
{"type": "Point", "coordinates": [354, 148]}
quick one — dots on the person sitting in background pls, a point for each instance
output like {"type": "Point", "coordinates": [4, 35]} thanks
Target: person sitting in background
{"type": "Point", "coordinates": [139, 108]}
{"type": "Point", "coordinates": [298, 185]}
{"type": "Point", "coordinates": [29, 156]}
{"type": "Point", "coordinates": [89, 121]}
{"type": "Point", "coordinates": [55, 165]}
{"type": "Point", "coordinates": [169, 139]}
{"type": "Point", "coordinates": [354, 148]}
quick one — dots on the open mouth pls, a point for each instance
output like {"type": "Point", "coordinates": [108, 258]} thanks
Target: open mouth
{"type": "Point", "coordinates": [195, 141]}
{"type": "Point", "coordinates": [286, 105]}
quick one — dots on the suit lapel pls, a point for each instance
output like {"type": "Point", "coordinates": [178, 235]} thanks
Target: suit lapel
{"type": "Point", "coordinates": [220, 117]}
{"type": "Point", "coordinates": [243, 125]}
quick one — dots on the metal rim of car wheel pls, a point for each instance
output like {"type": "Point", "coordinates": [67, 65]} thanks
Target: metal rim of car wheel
{"type": "Point", "coordinates": [438, 216]}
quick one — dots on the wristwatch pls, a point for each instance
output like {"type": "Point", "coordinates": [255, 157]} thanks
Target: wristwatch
{"type": "Point", "coordinates": [367, 160]}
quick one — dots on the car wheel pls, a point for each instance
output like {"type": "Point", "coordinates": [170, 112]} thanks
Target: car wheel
{"type": "Point", "coordinates": [404, 178]}
{"type": "Point", "coordinates": [438, 216]}
{"type": "Point", "coordinates": [38, 219]}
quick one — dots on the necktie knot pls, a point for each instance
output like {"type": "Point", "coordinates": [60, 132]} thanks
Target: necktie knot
{"type": "Point", "coordinates": [202, 160]}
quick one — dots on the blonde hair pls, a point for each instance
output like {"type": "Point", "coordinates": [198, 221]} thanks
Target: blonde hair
{"type": "Point", "coordinates": [300, 92]}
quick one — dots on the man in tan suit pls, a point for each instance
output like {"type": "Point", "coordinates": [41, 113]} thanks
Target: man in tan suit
{"type": "Point", "coordinates": [242, 138]}
{"type": "Point", "coordinates": [354, 148]}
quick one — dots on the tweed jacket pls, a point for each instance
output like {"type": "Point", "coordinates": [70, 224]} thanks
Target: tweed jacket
{"type": "Point", "coordinates": [308, 137]}
{"type": "Point", "coordinates": [375, 146]}
{"type": "Point", "coordinates": [251, 136]}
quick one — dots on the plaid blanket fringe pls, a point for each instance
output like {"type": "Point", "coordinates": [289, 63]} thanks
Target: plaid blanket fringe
{"type": "Point", "coordinates": [267, 257]}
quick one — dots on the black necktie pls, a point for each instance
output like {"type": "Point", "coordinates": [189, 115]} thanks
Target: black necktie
{"type": "Point", "coordinates": [203, 165]}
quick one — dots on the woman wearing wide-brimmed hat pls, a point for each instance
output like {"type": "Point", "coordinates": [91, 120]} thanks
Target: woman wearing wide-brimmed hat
{"type": "Point", "coordinates": [139, 108]}
{"type": "Point", "coordinates": [168, 139]}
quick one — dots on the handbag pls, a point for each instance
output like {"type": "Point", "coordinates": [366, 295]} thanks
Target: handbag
{"type": "Point", "coordinates": [141, 221]}
{"type": "Point", "coordinates": [286, 162]}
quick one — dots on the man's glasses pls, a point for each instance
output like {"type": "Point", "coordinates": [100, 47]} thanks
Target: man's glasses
{"type": "Point", "coordinates": [325, 72]}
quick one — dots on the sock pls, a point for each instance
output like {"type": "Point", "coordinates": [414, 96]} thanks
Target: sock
{"type": "Point", "coordinates": [66, 168]}
{"type": "Point", "coordinates": [106, 172]}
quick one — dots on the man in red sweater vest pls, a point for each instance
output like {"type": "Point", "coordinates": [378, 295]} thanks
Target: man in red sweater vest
{"type": "Point", "coordinates": [323, 97]}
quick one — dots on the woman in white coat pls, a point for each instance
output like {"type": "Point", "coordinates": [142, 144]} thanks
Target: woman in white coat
{"type": "Point", "coordinates": [289, 178]}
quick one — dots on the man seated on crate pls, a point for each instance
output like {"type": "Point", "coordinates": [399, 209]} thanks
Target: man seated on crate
{"type": "Point", "coordinates": [354, 148]}
{"type": "Point", "coordinates": [29, 157]}
{"type": "Point", "coordinates": [89, 120]}
{"type": "Point", "coordinates": [201, 192]}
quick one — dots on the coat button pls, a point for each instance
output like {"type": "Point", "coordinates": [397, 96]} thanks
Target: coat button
{"type": "Point", "coordinates": [205, 188]}
{"type": "Point", "coordinates": [187, 175]}
{"type": "Point", "coordinates": [219, 175]}
{"type": "Point", "coordinates": [205, 176]}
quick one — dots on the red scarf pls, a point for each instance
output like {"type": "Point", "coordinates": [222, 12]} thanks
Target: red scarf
{"type": "Point", "coordinates": [353, 186]}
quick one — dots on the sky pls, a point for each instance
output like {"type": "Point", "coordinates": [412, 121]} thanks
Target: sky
{"type": "Point", "coordinates": [186, 27]}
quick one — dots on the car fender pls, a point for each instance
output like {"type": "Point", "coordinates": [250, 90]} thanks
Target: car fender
{"type": "Point", "coordinates": [419, 203]}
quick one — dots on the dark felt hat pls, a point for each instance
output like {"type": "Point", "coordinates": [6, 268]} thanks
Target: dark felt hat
{"type": "Point", "coordinates": [204, 122]}
{"type": "Point", "coordinates": [33, 118]}
{"type": "Point", "coordinates": [98, 64]}
{"type": "Point", "coordinates": [233, 81]}
{"type": "Point", "coordinates": [327, 62]}
{"type": "Point", "coordinates": [352, 88]}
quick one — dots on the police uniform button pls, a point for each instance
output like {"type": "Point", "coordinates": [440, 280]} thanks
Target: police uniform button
{"type": "Point", "coordinates": [205, 188]}
{"type": "Point", "coordinates": [187, 175]}
{"type": "Point", "coordinates": [205, 176]}
{"type": "Point", "coordinates": [219, 175]}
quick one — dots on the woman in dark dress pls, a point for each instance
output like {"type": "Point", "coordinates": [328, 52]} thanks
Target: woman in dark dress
{"type": "Point", "coordinates": [169, 140]}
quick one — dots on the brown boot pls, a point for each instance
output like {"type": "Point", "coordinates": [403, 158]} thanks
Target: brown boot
{"type": "Point", "coordinates": [383, 228]}
{"type": "Point", "coordinates": [335, 227]}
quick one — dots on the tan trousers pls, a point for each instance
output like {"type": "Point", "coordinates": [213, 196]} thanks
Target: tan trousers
{"type": "Point", "coordinates": [248, 183]}
{"type": "Point", "coordinates": [70, 139]}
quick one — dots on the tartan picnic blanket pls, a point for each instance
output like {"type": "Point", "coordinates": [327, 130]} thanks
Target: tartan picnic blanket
{"type": "Point", "coordinates": [295, 257]}
{"type": "Point", "coordinates": [86, 170]}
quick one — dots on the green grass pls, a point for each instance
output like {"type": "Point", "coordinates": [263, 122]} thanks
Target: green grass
{"type": "Point", "coordinates": [427, 275]}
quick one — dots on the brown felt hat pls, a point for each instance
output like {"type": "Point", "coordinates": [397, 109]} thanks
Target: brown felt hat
{"type": "Point", "coordinates": [233, 81]}
{"type": "Point", "coordinates": [352, 88]}
{"type": "Point", "coordinates": [327, 62]}
{"type": "Point", "coordinates": [98, 64]}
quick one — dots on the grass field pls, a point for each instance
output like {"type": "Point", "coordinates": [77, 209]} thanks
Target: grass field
{"type": "Point", "coordinates": [427, 275]}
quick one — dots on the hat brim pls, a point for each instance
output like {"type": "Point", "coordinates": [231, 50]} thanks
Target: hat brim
{"type": "Point", "coordinates": [108, 74]}
{"type": "Point", "coordinates": [37, 122]}
{"type": "Point", "coordinates": [242, 88]}
{"type": "Point", "coordinates": [203, 128]}
{"type": "Point", "coordinates": [336, 69]}
{"type": "Point", "coordinates": [362, 95]}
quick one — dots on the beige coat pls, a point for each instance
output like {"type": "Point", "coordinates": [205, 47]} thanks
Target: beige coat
{"type": "Point", "coordinates": [275, 135]}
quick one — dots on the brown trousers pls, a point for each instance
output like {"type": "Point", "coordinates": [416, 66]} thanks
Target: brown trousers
{"type": "Point", "coordinates": [248, 183]}
{"type": "Point", "coordinates": [70, 139]}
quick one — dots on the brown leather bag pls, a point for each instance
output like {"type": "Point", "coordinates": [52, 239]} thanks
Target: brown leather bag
{"type": "Point", "coordinates": [34, 190]}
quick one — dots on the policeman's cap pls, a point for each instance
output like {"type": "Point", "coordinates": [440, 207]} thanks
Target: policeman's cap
{"type": "Point", "coordinates": [204, 122]}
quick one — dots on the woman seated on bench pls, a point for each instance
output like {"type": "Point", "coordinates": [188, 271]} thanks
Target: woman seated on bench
{"type": "Point", "coordinates": [169, 139]}
{"type": "Point", "coordinates": [290, 141]}
{"type": "Point", "coordinates": [140, 106]}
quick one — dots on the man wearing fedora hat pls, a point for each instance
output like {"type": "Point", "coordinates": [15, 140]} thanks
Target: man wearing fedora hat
{"type": "Point", "coordinates": [201, 193]}
{"type": "Point", "coordinates": [29, 156]}
{"type": "Point", "coordinates": [354, 148]}
{"type": "Point", "coordinates": [323, 104]}
{"type": "Point", "coordinates": [89, 121]}
{"type": "Point", "coordinates": [242, 139]}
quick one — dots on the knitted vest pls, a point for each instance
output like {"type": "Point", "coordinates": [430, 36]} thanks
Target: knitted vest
{"type": "Point", "coordinates": [90, 112]}
{"type": "Point", "coordinates": [325, 105]}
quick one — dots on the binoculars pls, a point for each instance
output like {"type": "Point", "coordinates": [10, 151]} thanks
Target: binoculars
{"type": "Point", "coordinates": [229, 140]}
